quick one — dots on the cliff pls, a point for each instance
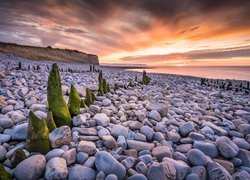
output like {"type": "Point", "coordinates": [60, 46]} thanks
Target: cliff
{"type": "Point", "coordinates": [48, 53]}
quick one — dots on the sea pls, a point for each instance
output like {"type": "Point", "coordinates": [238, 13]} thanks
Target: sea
{"type": "Point", "coordinates": [213, 72]}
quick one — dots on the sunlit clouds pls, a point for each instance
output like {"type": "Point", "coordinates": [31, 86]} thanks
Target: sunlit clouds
{"type": "Point", "coordinates": [157, 32]}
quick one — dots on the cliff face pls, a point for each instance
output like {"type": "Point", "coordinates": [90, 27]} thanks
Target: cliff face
{"type": "Point", "coordinates": [51, 54]}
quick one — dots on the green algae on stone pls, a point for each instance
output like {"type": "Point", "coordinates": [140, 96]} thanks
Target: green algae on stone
{"type": "Point", "coordinates": [145, 78]}
{"type": "Point", "coordinates": [4, 175]}
{"type": "Point", "coordinates": [116, 87]}
{"type": "Point", "coordinates": [88, 99]}
{"type": "Point", "coordinates": [38, 135]}
{"type": "Point", "coordinates": [18, 157]}
{"type": "Point", "coordinates": [83, 105]}
{"type": "Point", "coordinates": [57, 104]}
{"type": "Point", "coordinates": [74, 101]}
{"type": "Point", "coordinates": [50, 122]}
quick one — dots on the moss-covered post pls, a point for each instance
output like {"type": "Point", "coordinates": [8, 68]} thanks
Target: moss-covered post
{"type": "Point", "coordinates": [19, 66]}
{"type": "Point", "coordinates": [108, 87]}
{"type": "Point", "coordinates": [38, 135]}
{"type": "Point", "coordinates": [100, 84]}
{"type": "Point", "coordinates": [145, 78]}
{"type": "Point", "coordinates": [50, 122]}
{"type": "Point", "coordinates": [74, 101]}
{"type": "Point", "coordinates": [116, 87]}
{"type": "Point", "coordinates": [105, 89]}
{"type": "Point", "coordinates": [57, 104]}
{"type": "Point", "coordinates": [4, 175]}
{"type": "Point", "coordinates": [88, 99]}
{"type": "Point", "coordinates": [83, 105]}
{"type": "Point", "coordinates": [18, 157]}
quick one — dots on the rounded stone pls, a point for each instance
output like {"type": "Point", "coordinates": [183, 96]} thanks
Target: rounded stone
{"type": "Point", "coordinates": [56, 168]}
{"type": "Point", "coordinates": [3, 152]}
{"type": "Point", "coordinates": [186, 128]}
{"type": "Point", "coordinates": [227, 148]}
{"type": "Point", "coordinates": [208, 149]}
{"type": "Point", "coordinates": [197, 158]}
{"type": "Point", "coordinates": [109, 165]}
{"type": "Point", "coordinates": [30, 168]}
{"type": "Point", "coordinates": [101, 119]}
{"type": "Point", "coordinates": [81, 173]}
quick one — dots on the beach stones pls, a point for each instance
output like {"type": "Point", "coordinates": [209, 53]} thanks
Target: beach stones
{"type": "Point", "coordinates": [101, 119]}
{"type": "Point", "coordinates": [186, 128]}
{"type": "Point", "coordinates": [160, 107]}
{"type": "Point", "coordinates": [227, 148]}
{"type": "Point", "coordinates": [81, 173]}
{"type": "Point", "coordinates": [56, 168]}
{"type": "Point", "coordinates": [60, 136]}
{"type": "Point", "coordinates": [19, 132]}
{"type": "Point", "coordinates": [138, 145]}
{"type": "Point", "coordinates": [109, 165]}
{"type": "Point", "coordinates": [155, 115]}
{"type": "Point", "coordinates": [31, 168]}
{"type": "Point", "coordinates": [208, 149]}
{"type": "Point", "coordinates": [163, 171]}
{"type": "Point", "coordinates": [87, 147]}
{"type": "Point", "coordinates": [5, 121]}
{"type": "Point", "coordinates": [197, 158]}
{"type": "Point", "coordinates": [216, 171]}
{"type": "Point", "coordinates": [118, 130]}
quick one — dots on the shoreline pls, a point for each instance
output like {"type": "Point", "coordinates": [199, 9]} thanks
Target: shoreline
{"type": "Point", "coordinates": [173, 123]}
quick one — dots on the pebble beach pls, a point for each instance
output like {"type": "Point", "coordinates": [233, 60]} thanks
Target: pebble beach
{"type": "Point", "coordinates": [172, 128]}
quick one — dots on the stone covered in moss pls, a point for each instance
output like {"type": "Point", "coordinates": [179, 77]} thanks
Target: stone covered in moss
{"type": "Point", "coordinates": [74, 101]}
{"type": "Point", "coordinates": [88, 99]}
{"type": "Point", "coordinates": [105, 88]}
{"type": "Point", "coordinates": [57, 104]}
{"type": "Point", "coordinates": [18, 157]}
{"type": "Point", "coordinates": [116, 87]}
{"type": "Point", "coordinates": [38, 135]}
{"type": "Point", "coordinates": [50, 122]}
{"type": "Point", "coordinates": [83, 105]}
{"type": "Point", "coordinates": [4, 175]}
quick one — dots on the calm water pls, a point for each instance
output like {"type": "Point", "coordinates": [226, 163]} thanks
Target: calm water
{"type": "Point", "coordinates": [239, 72]}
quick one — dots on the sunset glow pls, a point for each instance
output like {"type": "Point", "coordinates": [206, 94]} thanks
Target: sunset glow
{"type": "Point", "coordinates": [157, 32]}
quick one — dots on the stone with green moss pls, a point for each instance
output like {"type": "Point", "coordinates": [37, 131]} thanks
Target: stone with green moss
{"type": "Point", "coordinates": [74, 101]}
{"type": "Point", "coordinates": [88, 98]}
{"type": "Point", "coordinates": [83, 105]}
{"type": "Point", "coordinates": [50, 122]}
{"type": "Point", "coordinates": [105, 89]}
{"type": "Point", "coordinates": [108, 87]}
{"type": "Point", "coordinates": [38, 135]}
{"type": "Point", "coordinates": [4, 175]}
{"type": "Point", "coordinates": [57, 104]}
{"type": "Point", "coordinates": [116, 87]}
{"type": "Point", "coordinates": [100, 89]}
{"type": "Point", "coordinates": [18, 157]}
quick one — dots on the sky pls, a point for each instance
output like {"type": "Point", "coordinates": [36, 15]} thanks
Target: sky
{"type": "Point", "coordinates": [152, 32]}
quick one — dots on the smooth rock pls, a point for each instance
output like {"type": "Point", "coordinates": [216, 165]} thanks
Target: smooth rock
{"type": "Point", "coordinates": [148, 132]}
{"type": "Point", "coordinates": [216, 171]}
{"type": "Point", "coordinates": [160, 107]}
{"type": "Point", "coordinates": [19, 132]}
{"type": "Point", "coordinates": [69, 156]}
{"type": "Point", "coordinates": [208, 149]}
{"type": "Point", "coordinates": [60, 136]}
{"type": "Point", "coordinates": [155, 115]}
{"type": "Point", "coordinates": [56, 168]}
{"type": "Point", "coordinates": [109, 165]}
{"type": "Point", "coordinates": [81, 173]}
{"type": "Point", "coordinates": [30, 168]}
{"type": "Point", "coordinates": [5, 121]}
{"type": "Point", "coordinates": [54, 153]}
{"type": "Point", "coordinates": [227, 148]}
{"type": "Point", "coordinates": [87, 147]}
{"type": "Point", "coordinates": [161, 151]}
{"type": "Point", "coordinates": [118, 130]}
{"type": "Point", "coordinates": [162, 171]}
{"type": "Point", "coordinates": [79, 120]}
{"type": "Point", "coordinates": [138, 145]}
{"type": "Point", "coordinates": [101, 119]}
{"type": "Point", "coordinates": [186, 128]}
{"type": "Point", "coordinates": [197, 158]}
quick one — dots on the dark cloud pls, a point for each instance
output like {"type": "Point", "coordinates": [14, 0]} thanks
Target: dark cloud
{"type": "Point", "coordinates": [113, 24]}
{"type": "Point", "coordinates": [75, 31]}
